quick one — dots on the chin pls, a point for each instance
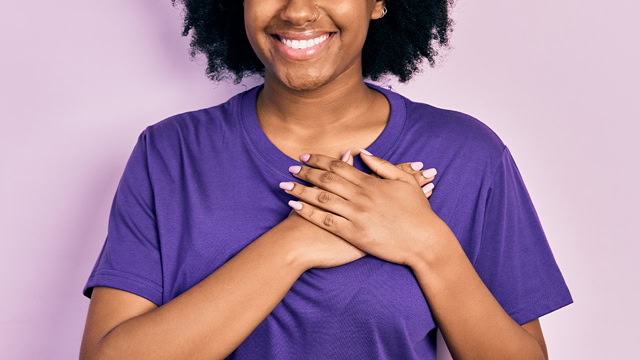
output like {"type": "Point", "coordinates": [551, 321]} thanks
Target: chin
{"type": "Point", "coordinates": [303, 80]}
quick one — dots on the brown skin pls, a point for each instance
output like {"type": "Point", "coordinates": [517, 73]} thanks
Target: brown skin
{"type": "Point", "coordinates": [322, 104]}
{"type": "Point", "coordinates": [313, 103]}
{"type": "Point", "coordinates": [385, 217]}
{"type": "Point", "coordinates": [209, 320]}
{"type": "Point", "coordinates": [201, 324]}
{"type": "Point", "coordinates": [319, 106]}
{"type": "Point", "coordinates": [330, 251]}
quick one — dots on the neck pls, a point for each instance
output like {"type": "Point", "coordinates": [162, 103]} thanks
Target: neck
{"type": "Point", "coordinates": [324, 110]}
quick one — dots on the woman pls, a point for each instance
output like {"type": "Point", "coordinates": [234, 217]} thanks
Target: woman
{"type": "Point", "coordinates": [204, 259]}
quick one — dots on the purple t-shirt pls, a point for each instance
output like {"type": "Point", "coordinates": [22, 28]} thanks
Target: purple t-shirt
{"type": "Point", "coordinates": [201, 185]}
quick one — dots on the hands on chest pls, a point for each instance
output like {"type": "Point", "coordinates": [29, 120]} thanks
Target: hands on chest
{"type": "Point", "coordinates": [349, 213]}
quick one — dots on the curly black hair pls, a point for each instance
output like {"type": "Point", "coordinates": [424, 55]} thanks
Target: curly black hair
{"type": "Point", "coordinates": [395, 44]}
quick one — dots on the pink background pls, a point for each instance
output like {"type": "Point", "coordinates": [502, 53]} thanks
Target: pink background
{"type": "Point", "coordinates": [557, 80]}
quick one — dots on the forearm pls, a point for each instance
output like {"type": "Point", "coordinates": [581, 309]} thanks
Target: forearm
{"type": "Point", "coordinates": [212, 318]}
{"type": "Point", "coordinates": [471, 320]}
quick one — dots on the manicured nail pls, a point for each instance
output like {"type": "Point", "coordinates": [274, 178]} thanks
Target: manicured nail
{"type": "Point", "coordinates": [417, 165]}
{"type": "Point", "coordinates": [287, 185]}
{"type": "Point", "coordinates": [429, 173]}
{"type": "Point", "coordinates": [294, 204]}
{"type": "Point", "coordinates": [345, 157]}
{"type": "Point", "coordinates": [364, 151]}
{"type": "Point", "coordinates": [295, 169]}
{"type": "Point", "coordinates": [305, 157]}
{"type": "Point", "coordinates": [428, 187]}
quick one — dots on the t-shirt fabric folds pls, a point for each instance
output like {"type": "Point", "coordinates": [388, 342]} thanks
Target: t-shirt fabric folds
{"type": "Point", "coordinates": [199, 186]}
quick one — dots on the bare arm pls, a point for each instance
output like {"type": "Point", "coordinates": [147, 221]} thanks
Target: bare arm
{"type": "Point", "coordinates": [473, 323]}
{"type": "Point", "coordinates": [207, 321]}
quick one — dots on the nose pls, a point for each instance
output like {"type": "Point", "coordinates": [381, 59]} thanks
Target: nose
{"type": "Point", "coordinates": [299, 12]}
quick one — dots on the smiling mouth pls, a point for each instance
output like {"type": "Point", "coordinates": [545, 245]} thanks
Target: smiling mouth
{"type": "Point", "coordinates": [301, 44]}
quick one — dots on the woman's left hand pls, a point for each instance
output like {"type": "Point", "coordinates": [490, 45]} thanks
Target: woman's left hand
{"type": "Point", "coordinates": [388, 217]}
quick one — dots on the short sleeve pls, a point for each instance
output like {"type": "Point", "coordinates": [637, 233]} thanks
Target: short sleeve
{"type": "Point", "coordinates": [514, 259]}
{"type": "Point", "coordinates": [130, 257]}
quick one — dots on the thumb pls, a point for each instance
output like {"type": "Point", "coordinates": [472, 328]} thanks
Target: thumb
{"type": "Point", "coordinates": [384, 168]}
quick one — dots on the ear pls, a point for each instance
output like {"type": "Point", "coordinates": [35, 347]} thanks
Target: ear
{"type": "Point", "coordinates": [377, 9]}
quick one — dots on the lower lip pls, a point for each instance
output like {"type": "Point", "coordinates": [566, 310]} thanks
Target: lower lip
{"type": "Point", "coordinates": [301, 54]}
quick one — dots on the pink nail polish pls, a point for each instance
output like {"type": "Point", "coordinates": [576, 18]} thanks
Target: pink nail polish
{"type": "Point", "coordinates": [294, 204]}
{"type": "Point", "coordinates": [429, 173]}
{"type": "Point", "coordinates": [295, 169]}
{"type": "Point", "coordinates": [345, 157]}
{"type": "Point", "coordinates": [364, 151]}
{"type": "Point", "coordinates": [287, 185]}
{"type": "Point", "coordinates": [305, 157]}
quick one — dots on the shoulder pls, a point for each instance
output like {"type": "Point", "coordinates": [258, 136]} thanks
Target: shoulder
{"type": "Point", "coordinates": [454, 131]}
{"type": "Point", "coordinates": [194, 126]}
{"type": "Point", "coordinates": [459, 129]}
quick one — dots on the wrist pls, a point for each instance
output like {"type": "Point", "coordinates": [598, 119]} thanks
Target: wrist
{"type": "Point", "coordinates": [438, 245]}
{"type": "Point", "coordinates": [286, 236]}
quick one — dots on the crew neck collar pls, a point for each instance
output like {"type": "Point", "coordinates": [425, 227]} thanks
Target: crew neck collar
{"type": "Point", "coordinates": [280, 162]}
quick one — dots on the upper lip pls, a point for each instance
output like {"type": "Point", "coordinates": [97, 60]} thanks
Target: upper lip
{"type": "Point", "coordinates": [306, 35]}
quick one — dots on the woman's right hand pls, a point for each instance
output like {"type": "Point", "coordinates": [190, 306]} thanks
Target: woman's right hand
{"type": "Point", "coordinates": [323, 249]}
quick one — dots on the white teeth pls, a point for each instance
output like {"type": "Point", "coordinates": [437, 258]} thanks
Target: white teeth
{"type": "Point", "coordinates": [303, 44]}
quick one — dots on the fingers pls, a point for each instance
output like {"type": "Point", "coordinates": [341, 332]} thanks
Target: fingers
{"type": "Point", "coordinates": [428, 189]}
{"type": "Point", "coordinates": [331, 174]}
{"type": "Point", "coordinates": [328, 221]}
{"type": "Point", "coordinates": [422, 177]}
{"type": "Point", "coordinates": [349, 161]}
{"type": "Point", "coordinates": [383, 167]}
{"type": "Point", "coordinates": [317, 197]}
{"type": "Point", "coordinates": [346, 156]}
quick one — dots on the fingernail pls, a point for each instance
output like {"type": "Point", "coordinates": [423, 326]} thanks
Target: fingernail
{"type": "Point", "coordinates": [294, 204]}
{"type": "Point", "coordinates": [428, 187]}
{"type": "Point", "coordinates": [429, 173]}
{"type": "Point", "coordinates": [345, 157]}
{"type": "Point", "coordinates": [417, 165]}
{"type": "Point", "coordinates": [287, 185]}
{"type": "Point", "coordinates": [364, 151]}
{"type": "Point", "coordinates": [305, 157]}
{"type": "Point", "coordinates": [295, 169]}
